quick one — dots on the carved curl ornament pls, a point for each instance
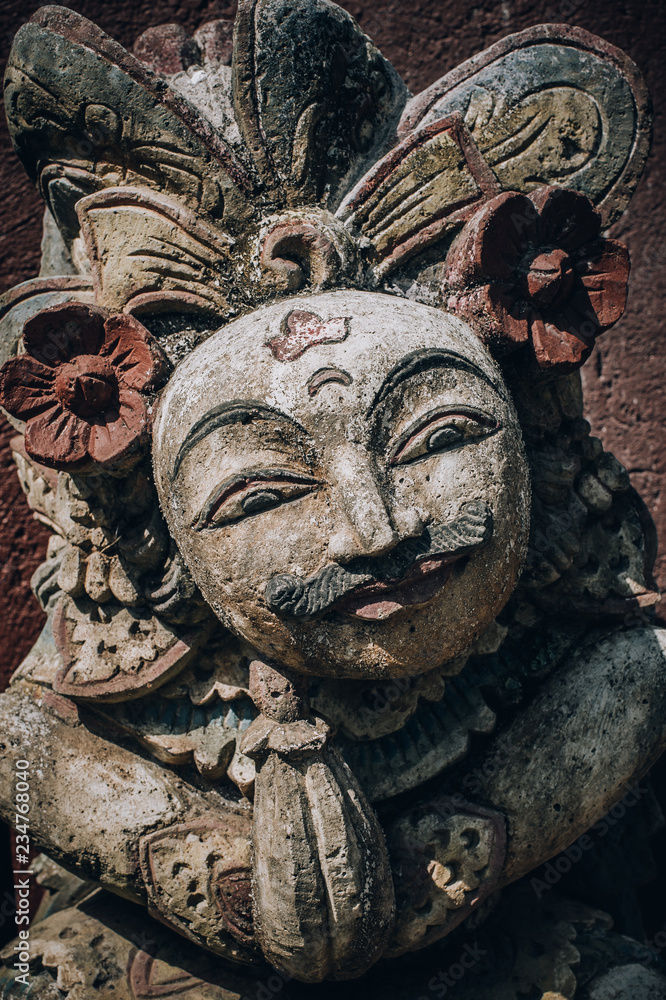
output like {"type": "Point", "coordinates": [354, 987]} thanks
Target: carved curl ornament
{"type": "Point", "coordinates": [296, 393]}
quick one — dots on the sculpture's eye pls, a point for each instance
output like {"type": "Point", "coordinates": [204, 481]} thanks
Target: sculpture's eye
{"type": "Point", "coordinates": [247, 495]}
{"type": "Point", "coordinates": [441, 431]}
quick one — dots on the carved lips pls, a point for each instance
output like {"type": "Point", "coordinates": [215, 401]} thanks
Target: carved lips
{"type": "Point", "coordinates": [376, 587]}
{"type": "Point", "coordinates": [78, 385]}
{"type": "Point", "coordinates": [420, 584]}
{"type": "Point", "coordinates": [532, 270]}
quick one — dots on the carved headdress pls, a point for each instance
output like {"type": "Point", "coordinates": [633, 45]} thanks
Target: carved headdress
{"type": "Point", "coordinates": [198, 180]}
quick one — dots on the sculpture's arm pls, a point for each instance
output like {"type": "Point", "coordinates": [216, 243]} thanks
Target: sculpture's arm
{"type": "Point", "coordinates": [132, 825]}
{"type": "Point", "coordinates": [592, 731]}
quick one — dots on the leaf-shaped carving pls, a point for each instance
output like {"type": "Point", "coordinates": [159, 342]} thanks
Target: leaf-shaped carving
{"type": "Point", "coordinates": [552, 104]}
{"type": "Point", "coordinates": [427, 185]}
{"type": "Point", "coordinates": [147, 250]}
{"type": "Point", "coordinates": [315, 100]}
{"type": "Point", "coordinates": [77, 99]}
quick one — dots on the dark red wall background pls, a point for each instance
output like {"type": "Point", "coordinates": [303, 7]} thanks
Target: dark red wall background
{"type": "Point", "coordinates": [625, 381]}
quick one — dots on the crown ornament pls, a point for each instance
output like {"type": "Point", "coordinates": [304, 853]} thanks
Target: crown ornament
{"type": "Point", "coordinates": [290, 179]}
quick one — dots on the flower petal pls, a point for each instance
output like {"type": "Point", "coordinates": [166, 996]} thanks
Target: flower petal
{"type": "Point", "coordinates": [56, 334]}
{"type": "Point", "coordinates": [604, 274]}
{"type": "Point", "coordinates": [113, 434]}
{"type": "Point", "coordinates": [568, 218]}
{"type": "Point", "coordinates": [494, 241]}
{"type": "Point", "coordinates": [134, 353]}
{"type": "Point", "coordinates": [557, 349]}
{"type": "Point", "coordinates": [26, 387]}
{"type": "Point", "coordinates": [509, 314]}
{"type": "Point", "coordinates": [57, 439]}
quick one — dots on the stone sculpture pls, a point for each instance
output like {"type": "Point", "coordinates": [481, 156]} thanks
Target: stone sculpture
{"type": "Point", "coordinates": [348, 615]}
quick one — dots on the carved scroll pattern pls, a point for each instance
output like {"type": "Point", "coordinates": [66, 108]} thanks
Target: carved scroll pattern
{"type": "Point", "coordinates": [148, 251]}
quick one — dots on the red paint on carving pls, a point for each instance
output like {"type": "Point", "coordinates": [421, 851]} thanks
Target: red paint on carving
{"type": "Point", "coordinates": [233, 897]}
{"type": "Point", "coordinates": [376, 601]}
{"type": "Point", "coordinates": [141, 972]}
{"type": "Point", "coordinates": [326, 375]}
{"type": "Point", "coordinates": [305, 329]}
{"type": "Point", "coordinates": [39, 286]}
{"type": "Point", "coordinates": [534, 270]}
{"type": "Point", "coordinates": [78, 384]}
{"type": "Point", "coordinates": [543, 34]}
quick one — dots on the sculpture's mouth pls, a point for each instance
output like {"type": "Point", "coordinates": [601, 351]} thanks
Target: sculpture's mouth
{"type": "Point", "coordinates": [420, 584]}
{"type": "Point", "coordinates": [412, 573]}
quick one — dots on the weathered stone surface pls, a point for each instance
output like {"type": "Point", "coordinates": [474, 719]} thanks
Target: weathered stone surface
{"type": "Point", "coordinates": [209, 860]}
{"type": "Point", "coordinates": [447, 857]}
{"type": "Point", "coordinates": [313, 113]}
{"type": "Point", "coordinates": [346, 474]}
{"type": "Point", "coordinates": [619, 693]}
{"type": "Point", "coordinates": [124, 655]}
{"type": "Point", "coordinates": [177, 259]}
{"type": "Point", "coordinates": [552, 104]}
{"type": "Point", "coordinates": [358, 528]}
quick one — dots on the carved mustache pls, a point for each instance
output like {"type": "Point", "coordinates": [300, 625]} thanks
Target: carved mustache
{"type": "Point", "coordinates": [291, 596]}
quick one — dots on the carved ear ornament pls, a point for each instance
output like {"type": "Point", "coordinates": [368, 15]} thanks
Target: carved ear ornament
{"type": "Point", "coordinates": [308, 249]}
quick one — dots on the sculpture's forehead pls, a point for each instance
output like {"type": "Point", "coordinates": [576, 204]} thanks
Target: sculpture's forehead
{"type": "Point", "coordinates": [282, 354]}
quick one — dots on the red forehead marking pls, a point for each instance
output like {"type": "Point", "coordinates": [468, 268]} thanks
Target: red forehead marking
{"type": "Point", "coordinates": [301, 330]}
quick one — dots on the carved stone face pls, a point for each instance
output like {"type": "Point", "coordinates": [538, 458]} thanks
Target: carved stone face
{"type": "Point", "coordinates": [344, 475]}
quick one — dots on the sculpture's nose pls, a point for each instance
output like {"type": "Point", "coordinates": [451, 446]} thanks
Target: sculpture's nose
{"type": "Point", "coordinates": [363, 522]}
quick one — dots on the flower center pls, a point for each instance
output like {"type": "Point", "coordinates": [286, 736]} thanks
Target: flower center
{"type": "Point", "coordinates": [86, 385]}
{"type": "Point", "coordinates": [549, 278]}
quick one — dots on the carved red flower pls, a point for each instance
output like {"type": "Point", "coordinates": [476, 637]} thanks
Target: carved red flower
{"type": "Point", "coordinates": [78, 385]}
{"type": "Point", "coordinates": [533, 269]}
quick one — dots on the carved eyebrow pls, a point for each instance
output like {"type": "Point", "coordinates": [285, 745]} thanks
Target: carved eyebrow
{"type": "Point", "coordinates": [325, 375]}
{"type": "Point", "coordinates": [423, 360]}
{"type": "Point", "coordinates": [237, 411]}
